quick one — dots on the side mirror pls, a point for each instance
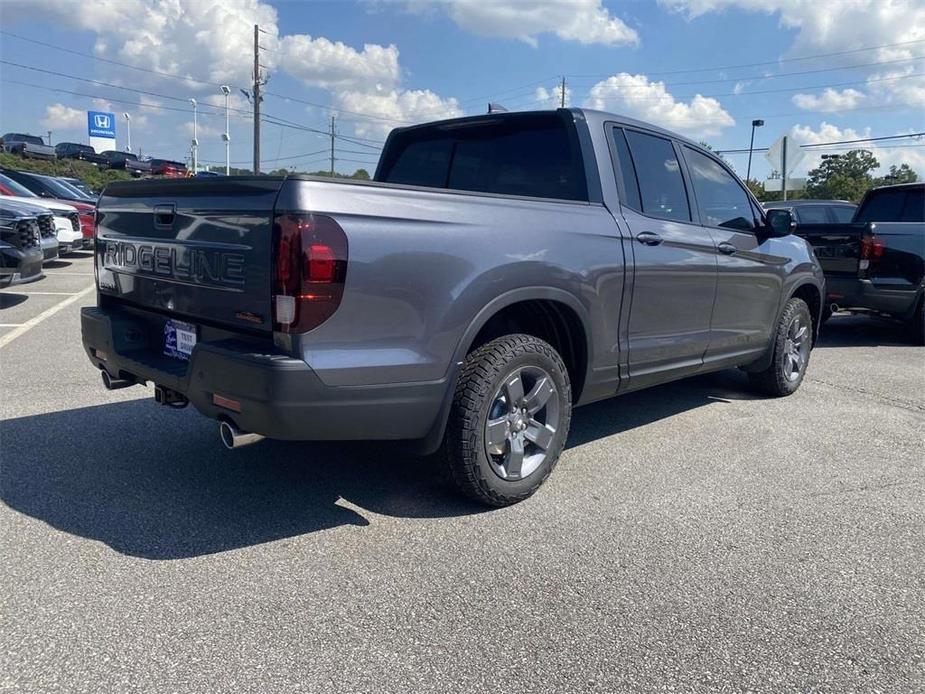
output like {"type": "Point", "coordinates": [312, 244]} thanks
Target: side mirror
{"type": "Point", "coordinates": [780, 222]}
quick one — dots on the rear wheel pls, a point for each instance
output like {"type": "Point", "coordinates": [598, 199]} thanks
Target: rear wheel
{"type": "Point", "coordinates": [509, 420]}
{"type": "Point", "coordinates": [918, 323]}
{"type": "Point", "coordinates": [793, 342]}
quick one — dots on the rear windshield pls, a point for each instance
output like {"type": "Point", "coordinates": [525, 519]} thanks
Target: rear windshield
{"type": "Point", "coordinates": [896, 205]}
{"type": "Point", "coordinates": [535, 155]}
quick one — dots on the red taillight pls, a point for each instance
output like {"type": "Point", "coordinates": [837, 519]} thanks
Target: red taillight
{"type": "Point", "coordinates": [872, 247]}
{"type": "Point", "coordinates": [88, 225]}
{"type": "Point", "coordinates": [311, 267]}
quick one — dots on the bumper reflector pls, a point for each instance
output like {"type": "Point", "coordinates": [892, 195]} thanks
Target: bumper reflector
{"type": "Point", "coordinates": [227, 403]}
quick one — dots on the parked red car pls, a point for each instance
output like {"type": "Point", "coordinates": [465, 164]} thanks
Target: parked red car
{"type": "Point", "coordinates": [86, 211]}
{"type": "Point", "coordinates": [168, 168]}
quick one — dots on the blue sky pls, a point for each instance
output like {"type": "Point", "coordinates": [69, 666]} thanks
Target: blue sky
{"type": "Point", "coordinates": [705, 68]}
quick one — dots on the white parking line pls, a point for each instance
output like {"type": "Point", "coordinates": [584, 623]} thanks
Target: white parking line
{"type": "Point", "coordinates": [10, 325]}
{"type": "Point", "coordinates": [46, 293]}
{"type": "Point", "coordinates": [47, 313]}
{"type": "Point", "coordinates": [73, 274]}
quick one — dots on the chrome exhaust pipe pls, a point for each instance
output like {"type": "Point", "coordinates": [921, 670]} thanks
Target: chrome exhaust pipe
{"type": "Point", "coordinates": [115, 383]}
{"type": "Point", "coordinates": [232, 437]}
{"type": "Point", "coordinates": [834, 308]}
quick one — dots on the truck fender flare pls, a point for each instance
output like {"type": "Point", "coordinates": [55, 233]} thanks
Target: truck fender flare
{"type": "Point", "coordinates": [430, 443]}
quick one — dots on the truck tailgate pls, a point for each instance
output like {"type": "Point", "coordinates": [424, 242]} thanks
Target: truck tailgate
{"type": "Point", "coordinates": [201, 250]}
{"type": "Point", "coordinates": [837, 246]}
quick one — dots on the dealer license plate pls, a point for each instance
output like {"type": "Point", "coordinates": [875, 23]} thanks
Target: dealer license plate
{"type": "Point", "coordinates": [179, 339]}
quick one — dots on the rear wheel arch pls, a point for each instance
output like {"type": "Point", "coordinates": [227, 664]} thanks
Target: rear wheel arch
{"type": "Point", "coordinates": [550, 314]}
{"type": "Point", "coordinates": [480, 331]}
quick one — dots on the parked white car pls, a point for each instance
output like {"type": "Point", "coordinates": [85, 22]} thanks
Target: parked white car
{"type": "Point", "coordinates": [67, 221]}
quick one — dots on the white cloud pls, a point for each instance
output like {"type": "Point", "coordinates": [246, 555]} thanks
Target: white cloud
{"type": "Point", "coordinates": [203, 130]}
{"type": "Point", "coordinates": [201, 39]}
{"type": "Point", "coordinates": [584, 21]}
{"type": "Point", "coordinates": [635, 95]}
{"type": "Point", "coordinates": [393, 108]}
{"type": "Point", "coordinates": [552, 98]}
{"type": "Point", "coordinates": [335, 65]}
{"type": "Point", "coordinates": [829, 100]}
{"type": "Point", "coordinates": [61, 117]}
{"type": "Point", "coordinates": [823, 27]}
{"type": "Point", "coordinates": [826, 132]}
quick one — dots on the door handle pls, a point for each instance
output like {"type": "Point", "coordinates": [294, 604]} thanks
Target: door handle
{"type": "Point", "coordinates": [164, 215]}
{"type": "Point", "coordinates": [726, 248]}
{"type": "Point", "coordinates": [649, 238]}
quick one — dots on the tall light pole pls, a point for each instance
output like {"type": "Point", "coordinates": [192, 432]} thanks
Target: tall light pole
{"type": "Point", "coordinates": [194, 148]}
{"type": "Point", "coordinates": [751, 145]}
{"type": "Point", "coordinates": [128, 130]}
{"type": "Point", "coordinates": [226, 136]}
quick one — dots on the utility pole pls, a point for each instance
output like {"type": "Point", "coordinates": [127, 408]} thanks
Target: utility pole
{"type": "Point", "coordinates": [332, 146]}
{"type": "Point", "coordinates": [256, 101]}
{"type": "Point", "coordinates": [783, 168]}
{"type": "Point", "coordinates": [751, 146]}
{"type": "Point", "coordinates": [562, 95]}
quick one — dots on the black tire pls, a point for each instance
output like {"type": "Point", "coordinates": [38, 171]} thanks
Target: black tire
{"type": "Point", "coordinates": [484, 374]}
{"type": "Point", "coordinates": [917, 325]}
{"type": "Point", "coordinates": [826, 314]}
{"type": "Point", "coordinates": [774, 380]}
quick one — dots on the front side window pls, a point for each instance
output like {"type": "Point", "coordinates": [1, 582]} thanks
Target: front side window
{"type": "Point", "coordinates": [722, 200]}
{"type": "Point", "coordinates": [661, 187]}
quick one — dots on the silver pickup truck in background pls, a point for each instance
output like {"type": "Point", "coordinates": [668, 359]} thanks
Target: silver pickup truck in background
{"type": "Point", "coordinates": [499, 271]}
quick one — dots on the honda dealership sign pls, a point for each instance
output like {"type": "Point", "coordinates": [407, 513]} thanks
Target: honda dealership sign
{"type": "Point", "coordinates": [101, 127]}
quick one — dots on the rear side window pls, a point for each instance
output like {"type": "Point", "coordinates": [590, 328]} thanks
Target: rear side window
{"type": "Point", "coordinates": [627, 169]}
{"type": "Point", "coordinates": [883, 206]}
{"type": "Point", "coordinates": [914, 209]}
{"type": "Point", "coordinates": [661, 187]}
{"type": "Point", "coordinates": [843, 213]}
{"type": "Point", "coordinates": [533, 155]}
{"type": "Point", "coordinates": [723, 202]}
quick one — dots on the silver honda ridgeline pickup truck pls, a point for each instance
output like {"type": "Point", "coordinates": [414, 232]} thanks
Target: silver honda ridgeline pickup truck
{"type": "Point", "coordinates": [499, 271]}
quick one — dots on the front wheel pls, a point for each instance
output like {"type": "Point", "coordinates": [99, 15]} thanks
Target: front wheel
{"type": "Point", "coordinates": [793, 342]}
{"type": "Point", "coordinates": [509, 420]}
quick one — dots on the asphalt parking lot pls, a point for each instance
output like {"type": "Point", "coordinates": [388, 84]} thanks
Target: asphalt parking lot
{"type": "Point", "coordinates": [693, 538]}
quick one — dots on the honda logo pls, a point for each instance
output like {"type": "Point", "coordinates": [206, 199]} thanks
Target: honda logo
{"type": "Point", "coordinates": [102, 121]}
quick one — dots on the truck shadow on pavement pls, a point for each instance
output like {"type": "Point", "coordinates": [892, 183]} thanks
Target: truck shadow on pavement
{"type": "Point", "coordinates": [155, 483]}
{"type": "Point", "coordinates": [863, 331]}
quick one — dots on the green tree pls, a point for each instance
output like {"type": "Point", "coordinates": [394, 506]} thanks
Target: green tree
{"type": "Point", "coordinates": [897, 175]}
{"type": "Point", "coordinates": [361, 174]}
{"type": "Point", "coordinates": [843, 177]}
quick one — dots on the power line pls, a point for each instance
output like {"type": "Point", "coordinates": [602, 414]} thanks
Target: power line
{"type": "Point", "coordinates": [784, 74]}
{"type": "Point", "coordinates": [769, 62]}
{"type": "Point", "coordinates": [827, 144]}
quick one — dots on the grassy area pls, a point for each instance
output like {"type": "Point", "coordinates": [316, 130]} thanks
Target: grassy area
{"type": "Point", "coordinates": [88, 173]}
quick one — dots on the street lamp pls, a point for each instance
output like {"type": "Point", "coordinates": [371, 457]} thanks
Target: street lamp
{"type": "Point", "coordinates": [751, 145]}
{"type": "Point", "coordinates": [225, 135]}
{"type": "Point", "coordinates": [194, 145]}
{"type": "Point", "coordinates": [128, 126]}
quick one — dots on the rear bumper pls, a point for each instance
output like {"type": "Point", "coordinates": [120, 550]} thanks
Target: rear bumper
{"type": "Point", "coordinates": [280, 397]}
{"type": "Point", "coordinates": [853, 293]}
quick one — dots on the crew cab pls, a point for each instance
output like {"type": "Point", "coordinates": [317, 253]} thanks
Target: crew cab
{"type": "Point", "coordinates": [27, 146]}
{"type": "Point", "coordinates": [499, 270]}
{"type": "Point", "coordinates": [876, 263]}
